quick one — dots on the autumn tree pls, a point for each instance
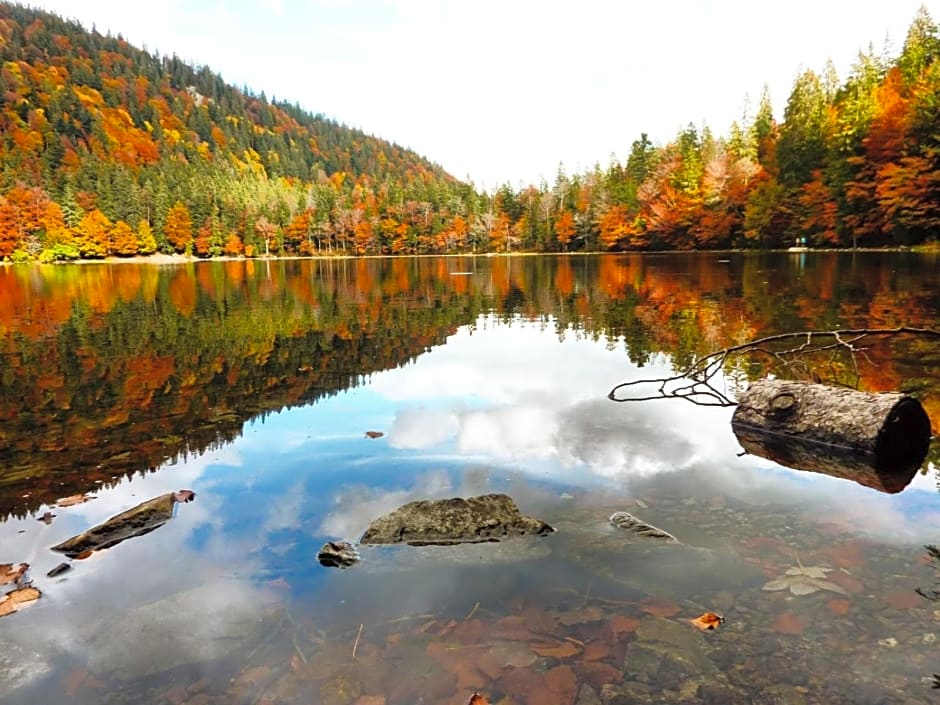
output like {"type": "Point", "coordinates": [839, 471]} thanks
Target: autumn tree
{"type": "Point", "coordinates": [564, 229]}
{"type": "Point", "coordinates": [179, 227]}
{"type": "Point", "coordinates": [123, 240]}
{"type": "Point", "coordinates": [93, 235]}
{"type": "Point", "coordinates": [146, 243]}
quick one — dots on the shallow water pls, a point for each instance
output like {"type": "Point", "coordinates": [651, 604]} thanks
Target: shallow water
{"type": "Point", "coordinates": [253, 384]}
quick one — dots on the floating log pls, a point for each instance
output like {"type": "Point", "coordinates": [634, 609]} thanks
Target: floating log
{"type": "Point", "coordinates": [876, 439]}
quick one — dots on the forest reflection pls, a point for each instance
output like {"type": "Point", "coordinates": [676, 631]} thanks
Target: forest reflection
{"type": "Point", "coordinates": [109, 370]}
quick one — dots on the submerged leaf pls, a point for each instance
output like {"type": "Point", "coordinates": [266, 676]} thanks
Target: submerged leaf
{"type": "Point", "coordinates": [778, 584]}
{"type": "Point", "coordinates": [708, 621]}
{"type": "Point", "coordinates": [813, 571]}
{"type": "Point", "coordinates": [804, 580]}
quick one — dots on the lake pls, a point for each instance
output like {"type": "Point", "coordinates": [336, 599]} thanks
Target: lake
{"type": "Point", "coordinates": [254, 383]}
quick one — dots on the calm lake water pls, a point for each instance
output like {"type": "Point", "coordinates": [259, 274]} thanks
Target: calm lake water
{"type": "Point", "coordinates": [253, 384]}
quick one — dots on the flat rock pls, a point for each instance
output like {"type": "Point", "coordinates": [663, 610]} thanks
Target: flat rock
{"type": "Point", "coordinates": [667, 653]}
{"type": "Point", "coordinates": [444, 522]}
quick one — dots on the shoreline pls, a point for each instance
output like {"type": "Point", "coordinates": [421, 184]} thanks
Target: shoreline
{"type": "Point", "coordinates": [163, 259]}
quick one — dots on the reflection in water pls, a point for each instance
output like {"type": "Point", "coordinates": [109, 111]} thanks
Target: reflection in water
{"type": "Point", "coordinates": [255, 387]}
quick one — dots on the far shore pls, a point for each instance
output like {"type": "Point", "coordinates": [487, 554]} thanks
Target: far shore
{"type": "Point", "coordinates": [163, 259]}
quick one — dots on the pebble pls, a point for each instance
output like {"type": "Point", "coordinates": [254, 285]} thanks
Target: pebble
{"type": "Point", "coordinates": [890, 642]}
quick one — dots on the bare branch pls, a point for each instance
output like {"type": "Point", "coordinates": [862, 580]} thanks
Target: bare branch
{"type": "Point", "coordinates": [701, 372]}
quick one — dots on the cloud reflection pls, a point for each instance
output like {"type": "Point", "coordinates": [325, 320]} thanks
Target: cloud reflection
{"type": "Point", "coordinates": [543, 409]}
{"type": "Point", "coordinates": [355, 506]}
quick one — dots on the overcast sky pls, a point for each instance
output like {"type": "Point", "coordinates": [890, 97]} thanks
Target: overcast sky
{"type": "Point", "coordinates": [504, 90]}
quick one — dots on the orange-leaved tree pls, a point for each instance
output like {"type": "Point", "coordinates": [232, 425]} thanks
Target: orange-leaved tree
{"type": "Point", "coordinates": [564, 228]}
{"type": "Point", "coordinates": [179, 227]}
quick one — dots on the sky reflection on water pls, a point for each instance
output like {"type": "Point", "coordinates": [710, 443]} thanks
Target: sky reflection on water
{"type": "Point", "coordinates": [500, 407]}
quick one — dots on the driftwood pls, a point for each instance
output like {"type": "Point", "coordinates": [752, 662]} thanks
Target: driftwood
{"type": "Point", "coordinates": [878, 440]}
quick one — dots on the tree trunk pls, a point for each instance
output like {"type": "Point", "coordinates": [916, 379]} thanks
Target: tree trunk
{"type": "Point", "coordinates": [878, 440]}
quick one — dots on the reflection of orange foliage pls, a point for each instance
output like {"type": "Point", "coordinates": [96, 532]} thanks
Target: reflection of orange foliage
{"type": "Point", "coordinates": [564, 277]}
{"type": "Point", "coordinates": [931, 405]}
{"type": "Point", "coordinates": [98, 289]}
{"type": "Point", "coordinates": [235, 272]}
{"type": "Point", "coordinates": [365, 278]}
{"type": "Point", "coordinates": [145, 375]}
{"type": "Point", "coordinates": [126, 282]}
{"type": "Point", "coordinates": [204, 275]}
{"type": "Point", "coordinates": [183, 291]}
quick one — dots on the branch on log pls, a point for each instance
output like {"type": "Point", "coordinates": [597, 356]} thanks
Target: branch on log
{"type": "Point", "coordinates": [877, 440]}
{"type": "Point", "coordinates": [694, 384]}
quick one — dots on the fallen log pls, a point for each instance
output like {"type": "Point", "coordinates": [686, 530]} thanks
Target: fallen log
{"type": "Point", "coordinates": [876, 439]}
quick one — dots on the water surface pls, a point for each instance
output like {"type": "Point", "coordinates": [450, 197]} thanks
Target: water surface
{"type": "Point", "coordinates": [253, 384]}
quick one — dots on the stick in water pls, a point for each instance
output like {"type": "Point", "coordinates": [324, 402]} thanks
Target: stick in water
{"type": "Point", "coordinates": [356, 645]}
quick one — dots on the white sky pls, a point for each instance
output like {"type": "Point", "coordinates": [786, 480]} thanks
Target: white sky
{"type": "Point", "coordinates": [505, 90]}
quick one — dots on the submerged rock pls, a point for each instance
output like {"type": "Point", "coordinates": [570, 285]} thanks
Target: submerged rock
{"type": "Point", "coordinates": [628, 522]}
{"type": "Point", "coordinates": [136, 521]}
{"type": "Point", "coordinates": [338, 554]}
{"type": "Point", "coordinates": [443, 522]}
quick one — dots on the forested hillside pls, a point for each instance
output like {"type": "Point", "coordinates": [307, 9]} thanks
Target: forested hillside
{"type": "Point", "coordinates": [106, 149]}
{"type": "Point", "coordinates": [109, 150]}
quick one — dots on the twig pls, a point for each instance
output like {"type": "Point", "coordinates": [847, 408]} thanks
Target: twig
{"type": "Point", "coordinates": [698, 388]}
{"type": "Point", "coordinates": [410, 618]}
{"type": "Point", "coordinates": [356, 644]}
{"type": "Point", "coordinates": [297, 648]}
{"type": "Point", "coordinates": [473, 611]}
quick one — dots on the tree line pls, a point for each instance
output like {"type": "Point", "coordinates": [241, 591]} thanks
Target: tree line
{"type": "Point", "coordinates": [109, 150]}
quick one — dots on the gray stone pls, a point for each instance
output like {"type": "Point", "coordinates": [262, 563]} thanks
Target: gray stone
{"type": "Point", "coordinates": [338, 554]}
{"type": "Point", "coordinates": [490, 517]}
{"type": "Point", "coordinates": [667, 654]}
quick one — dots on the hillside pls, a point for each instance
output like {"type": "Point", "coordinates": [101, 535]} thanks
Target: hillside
{"type": "Point", "coordinates": [107, 150]}
{"type": "Point", "coordinates": [98, 124]}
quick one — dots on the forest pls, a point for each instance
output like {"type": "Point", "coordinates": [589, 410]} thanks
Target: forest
{"type": "Point", "coordinates": [107, 150]}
